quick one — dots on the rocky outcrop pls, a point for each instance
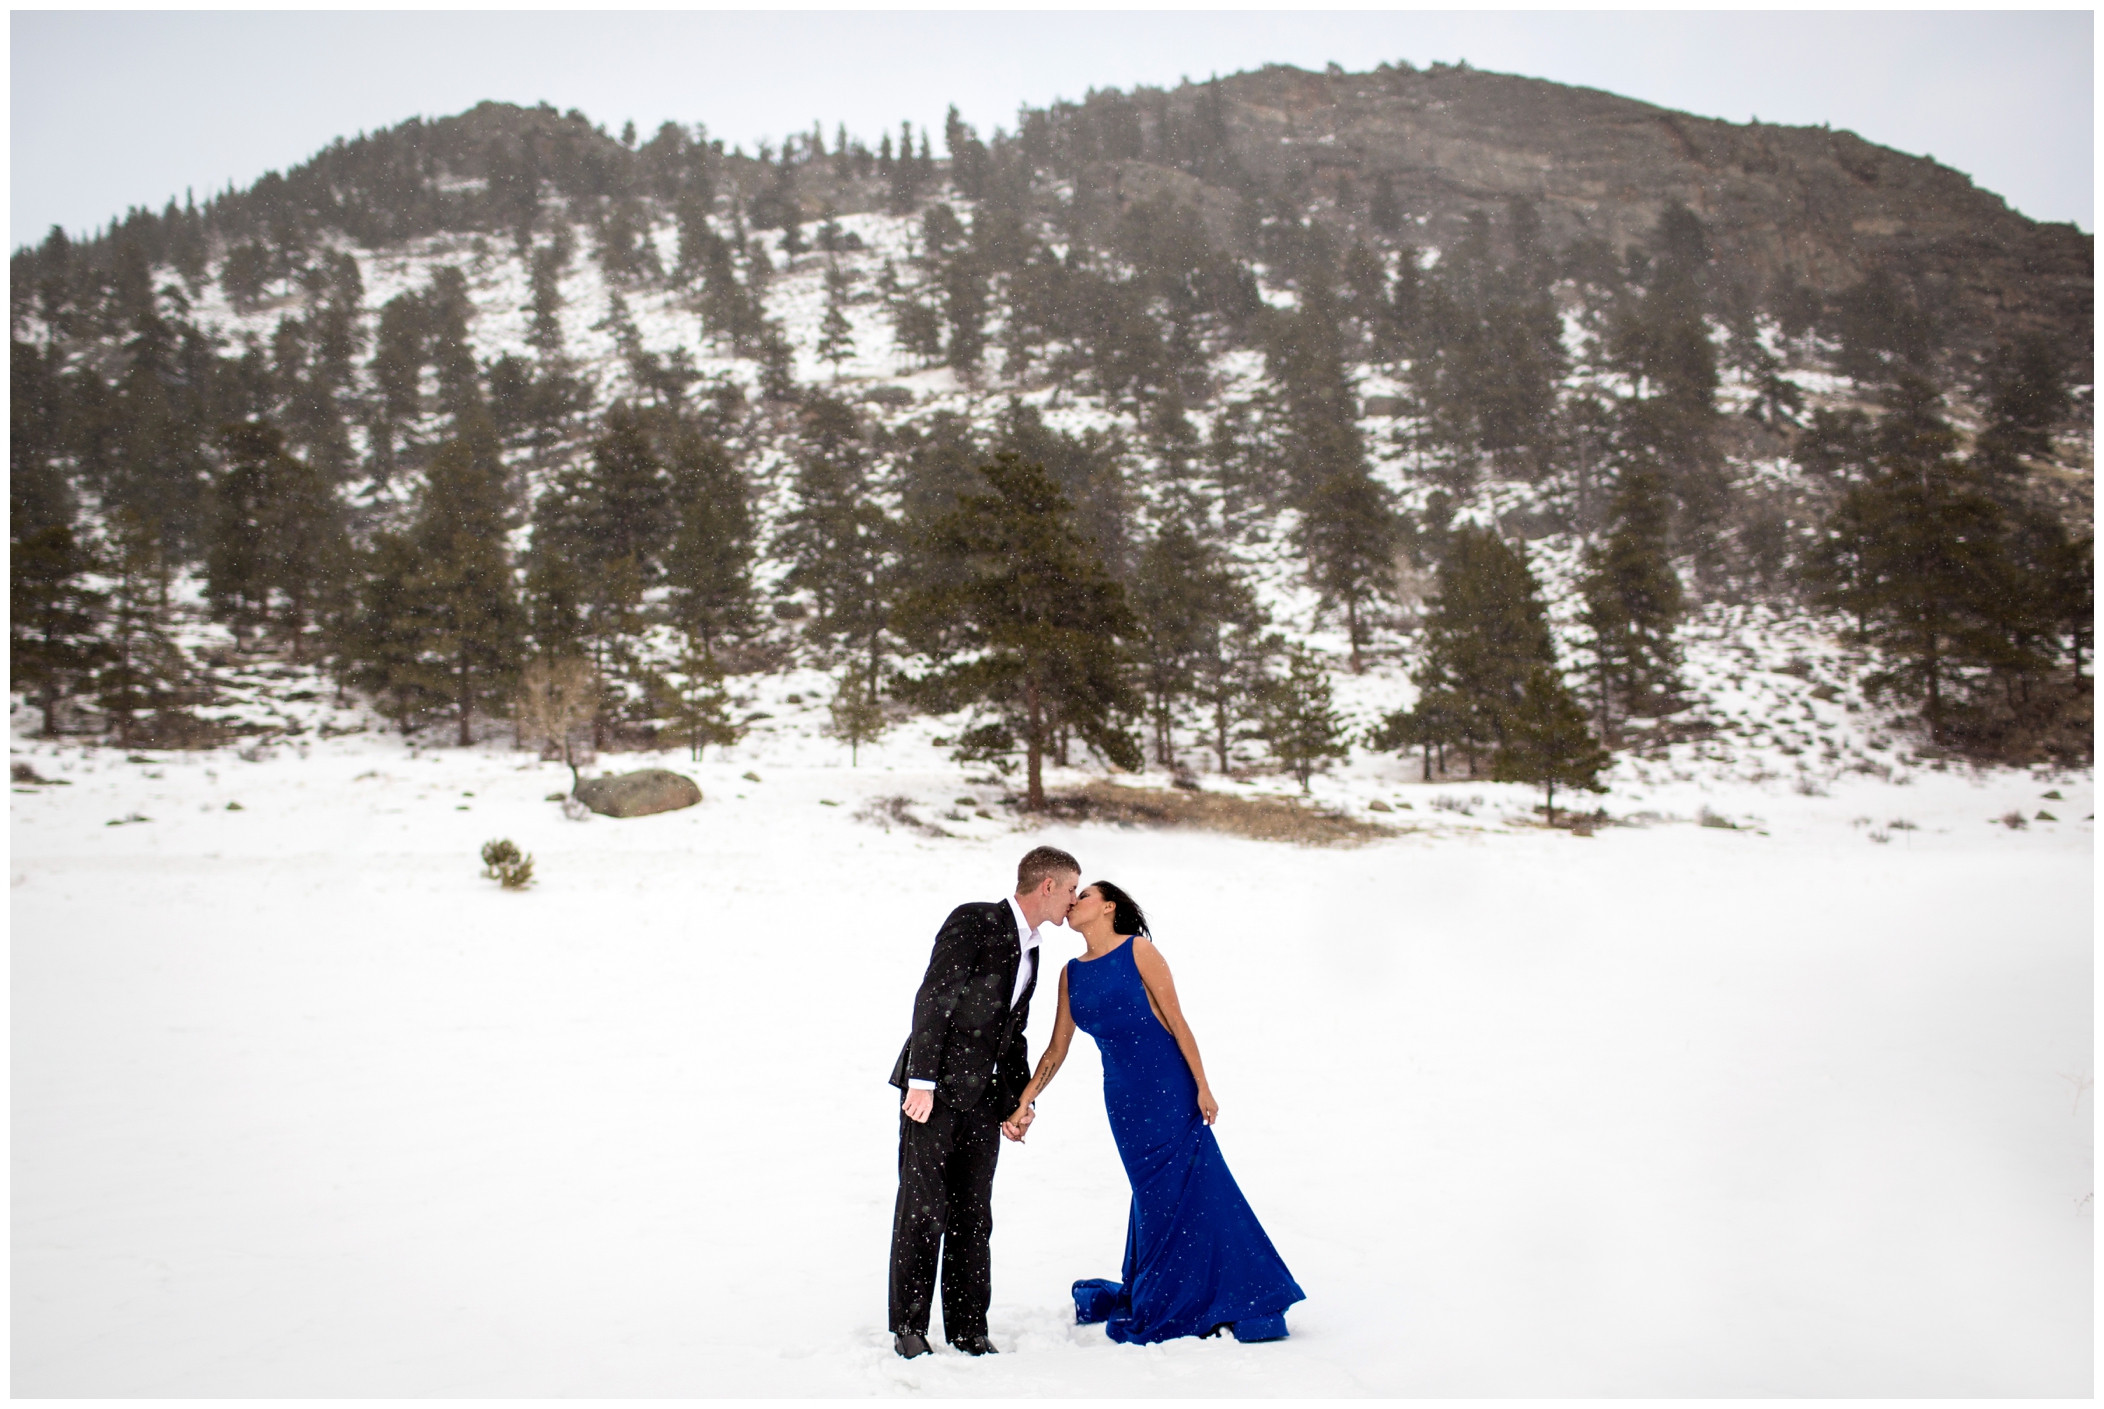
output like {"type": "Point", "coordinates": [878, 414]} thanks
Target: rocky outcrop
{"type": "Point", "coordinates": [638, 794]}
{"type": "Point", "coordinates": [1803, 205]}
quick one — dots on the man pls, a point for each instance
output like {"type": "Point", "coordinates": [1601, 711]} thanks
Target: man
{"type": "Point", "coordinates": [963, 1070]}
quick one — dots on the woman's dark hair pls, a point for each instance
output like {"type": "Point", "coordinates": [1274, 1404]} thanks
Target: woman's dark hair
{"type": "Point", "coordinates": [1126, 917]}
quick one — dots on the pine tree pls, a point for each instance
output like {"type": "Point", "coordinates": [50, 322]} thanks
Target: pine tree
{"type": "Point", "coordinates": [52, 639]}
{"type": "Point", "coordinates": [1486, 353]}
{"type": "Point", "coordinates": [940, 461]}
{"type": "Point", "coordinates": [39, 494]}
{"type": "Point", "coordinates": [2045, 607]}
{"type": "Point", "coordinates": [545, 334]}
{"type": "Point", "coordinates": [831, 238]}
{"type": "Point", "coordinates": [1184, 599]}
{"type": "Point", "coordinates": [1633, 601]}
{"type": "Point", "coordinates": [843, 548]}
{"type": "Point", "coordinates": [1431, 726]}
{"type": "Point", "coordinates": [698, 240]}
{"type": "Point", "coordinates": [1351, 536]}
{"type": "Point", "coordinates": [449, 309]}
{"type": "Point", "coordinates": [2026, 391]}
{"type": "Point", "coordinates": [600, 536]}
{"type": "Point", "coordinates": [700, 705]}
{"type": "Point", "coordinates": [857, 714]}
{"type": "Point", "coordinates": [1366, 282]}
{"type": "Point", "coordinates": [709, 565]}
{"type": "Point", "coordinates": [1348, 530]}
{"type": "Point", "coordinates": [469, 599]}
{"type": "Point", "coordinates": [557, 583]}
{"type": "Point", "coordinates": [1028, 620]}
{"type": "Point", "coordinates": [964, 308]}
{"type": "Point", "coordinates": [146, 448]}
{"type": "Point", "coordinates": [1175, 443]}
{"type": "Point", "coordinates": [967, 155]}
{"type": "Point", "coordinates": [627, 513]}
{"type": "Point", "coordinates": [1230, 669]}
{"type": "Point", "coordinates": [397, 369]}
{"type": "Point", "coordinates": [1920, 553]}
{"type": "Point", "coordinates": [238, 564]}
{"type": "Point", "coordinates": [730, 310]}
{"type": "Point", "coordinates": [1485, 633]}
{"type": "Point", "coordinates": [1884, 333]}
{"type": "Point", "coordinates": [1300, 722]}
{"type": "Point", "coordinates": [1661, 342]}
{"type": "Point", "coordinates": [836, 336]}
{"type": "Point", "coordinates": [1088, 469]}
{"type": "Point", "coordinates": [906, 178]}
{"type": "Point", "coordinates": [1547, 742]}
{"type": "Point", "coordinates": [777, 365]}
{"type": "Point", "coordinates": [386, 638]}
{"type": "Point", "coordinates": [626, 523]}
{"type": "Point", "coordinates": [339, 332]}
{"type": "Point", "coordinates": [919, 329]}
{"type": "Point", "coordinates": [1245, 472]}
{"type": "Point", "coordinates": [245, 274]}
{"type": "Point", "coordinates": [142, 670]}
{"type": "Point", "coordinates": [278, 532]}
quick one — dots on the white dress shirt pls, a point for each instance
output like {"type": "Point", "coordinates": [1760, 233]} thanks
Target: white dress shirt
{"type": "Point", "coordinates": [1026, 964]}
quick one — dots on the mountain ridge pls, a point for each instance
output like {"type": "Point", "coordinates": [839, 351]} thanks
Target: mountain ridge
{"type": "Point", "coordinates": [1787, 206]}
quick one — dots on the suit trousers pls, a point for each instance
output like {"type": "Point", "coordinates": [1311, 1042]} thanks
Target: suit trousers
{"type": "Point", "coordinates": [946, 1188]}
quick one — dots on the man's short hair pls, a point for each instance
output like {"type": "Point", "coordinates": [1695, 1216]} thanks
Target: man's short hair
{"type": "Point", "coordinates": [1041, 863]}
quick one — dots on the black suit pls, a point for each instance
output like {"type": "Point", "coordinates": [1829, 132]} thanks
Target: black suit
{"type": "Point", "coordinates": [969, 1040]}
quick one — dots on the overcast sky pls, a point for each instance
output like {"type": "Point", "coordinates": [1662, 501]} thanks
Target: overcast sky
{"type": "Point", "coordinates": [114, 109]}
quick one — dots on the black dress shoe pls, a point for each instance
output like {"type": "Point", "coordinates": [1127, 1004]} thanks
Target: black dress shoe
{"type": "Point", "coordinates": [909, 1344]}
{"type": "Point", "coordinates": [976, 1345]}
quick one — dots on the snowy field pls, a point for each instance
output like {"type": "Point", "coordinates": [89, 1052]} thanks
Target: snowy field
{"type": "Point", "coordinates": [304, 1106]}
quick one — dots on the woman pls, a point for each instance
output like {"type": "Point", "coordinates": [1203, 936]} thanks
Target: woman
{"type": "Point", "coordinates": [1196, 1259]}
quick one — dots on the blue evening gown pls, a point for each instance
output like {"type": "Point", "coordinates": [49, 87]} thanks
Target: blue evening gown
{"type": "Point", "coordinates": [1195, 1256]}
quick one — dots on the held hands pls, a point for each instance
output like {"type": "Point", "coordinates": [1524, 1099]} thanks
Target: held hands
{"type": "Point", "coordinates": [918, 1105]}
{"type": "Point", "coordinates": [1207, 1106]}
{"type": "Point", "coordinates": [1018, 1125]}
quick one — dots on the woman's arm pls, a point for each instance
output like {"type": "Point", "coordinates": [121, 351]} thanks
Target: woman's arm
{"type": "Point", "coordinates": [1154, 972]}
{"type": "Point", "coordinates": [1047, 1065]}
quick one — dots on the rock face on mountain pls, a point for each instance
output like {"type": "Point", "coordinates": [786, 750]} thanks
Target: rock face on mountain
{"type": "Point", "coordinates": [1782, 204]}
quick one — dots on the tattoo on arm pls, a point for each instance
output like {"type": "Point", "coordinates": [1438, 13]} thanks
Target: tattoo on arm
{"type": "Point", "coordinates": [1047, 1066]}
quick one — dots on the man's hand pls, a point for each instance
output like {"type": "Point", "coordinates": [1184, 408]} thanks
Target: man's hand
{"type": "Point", "coordinates": [918, 1106]}
{"type": "Point", "coordinates": [1018, 1125]}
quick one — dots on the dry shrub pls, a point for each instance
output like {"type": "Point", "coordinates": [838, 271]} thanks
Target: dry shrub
{"type": "Point", "coordinates": [502, 861]}
{"type": "Point", "coordinates": [889, 812]}
{"type": "Point", "coordinates": [1261, 818]}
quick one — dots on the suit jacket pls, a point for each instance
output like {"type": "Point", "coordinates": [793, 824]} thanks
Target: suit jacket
{"type": "Point", "coordinates": [966, 1038]}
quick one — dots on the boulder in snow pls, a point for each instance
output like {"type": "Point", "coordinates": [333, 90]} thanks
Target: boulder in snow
{"type": "Point", "coordinates": [638, 794]}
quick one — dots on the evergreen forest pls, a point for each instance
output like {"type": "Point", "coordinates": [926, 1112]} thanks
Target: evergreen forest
{"type": "Point", "coordinates": [1112, 438]}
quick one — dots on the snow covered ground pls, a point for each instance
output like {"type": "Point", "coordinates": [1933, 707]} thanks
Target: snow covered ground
{"type": "Point", "coordinates": [304, 1106]}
